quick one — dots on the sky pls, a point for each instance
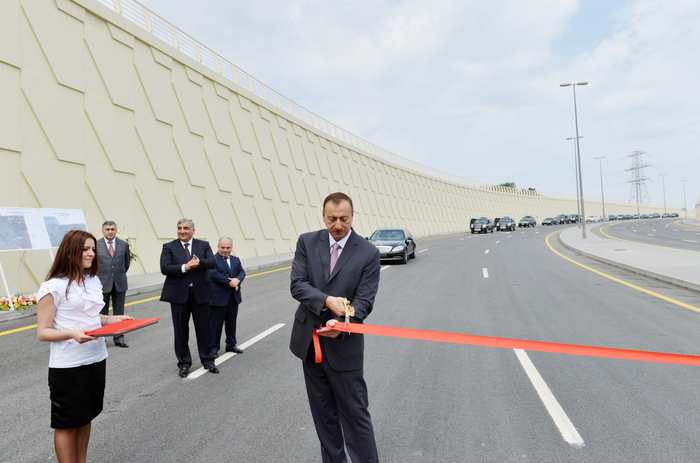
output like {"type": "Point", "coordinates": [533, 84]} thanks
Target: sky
{"type": "Point", "coordinates": [472, 88]}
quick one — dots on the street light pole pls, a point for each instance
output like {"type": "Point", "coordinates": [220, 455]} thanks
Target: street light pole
{"type": "Point", "coordinates": [663, 182]}
{"type": "Point", "coordinates": [578, 198]}
{"type": "Point", "coordinates": [602, 195]}
{"type": "Point", "coordinates": [578, 152]}
{"type": "Point", "coordinates": [685, 204]}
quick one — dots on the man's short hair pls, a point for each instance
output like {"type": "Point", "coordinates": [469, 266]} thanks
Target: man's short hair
{"type": "Point", "coordinates": [225, 238]}
{"type": "Point", "coordinates": [109, 222]}
{"type": "Point", "coordinates": [186, 220]}
{"type": "Point", "coordinates": [338, 198]}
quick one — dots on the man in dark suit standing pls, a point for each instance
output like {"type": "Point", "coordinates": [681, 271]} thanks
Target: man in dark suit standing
{"type": "Point", "coordinates": [330, 265]}
{"type": "Point", "coordinates": [187, 287]}
{"type": "Point", "coordinates": [226, 278]}
{"type": "Point", "coordinates": [114, 257]}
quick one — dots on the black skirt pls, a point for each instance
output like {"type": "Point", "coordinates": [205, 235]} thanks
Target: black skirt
{"type": "Point", "coordinates": [76, 394]}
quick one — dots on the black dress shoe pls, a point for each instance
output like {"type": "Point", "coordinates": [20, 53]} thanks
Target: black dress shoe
{"type": "Point", "coordinates": [211, 368]}
{"type": "Point", "coordinates": [121, 344]}
{"type": "Point", "coordinates": [184, 371]}
{"type": "Point", "coordinates": [234, 349]}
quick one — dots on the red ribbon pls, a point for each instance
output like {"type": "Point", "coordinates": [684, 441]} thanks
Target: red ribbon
{"type": "Point", "coordinates": [456, 338]}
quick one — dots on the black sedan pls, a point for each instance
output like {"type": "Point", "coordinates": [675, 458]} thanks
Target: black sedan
{"type": "Point", "coordinates": [394, 244]}
{"type": "Point", "coordinates": [527, 221]}
{"type": "Point", "coordinates": [550, 221]}
{"type": "Point", "coordinates": [506, 223]}
{"type": "Point", "coordinates": [482, 224]}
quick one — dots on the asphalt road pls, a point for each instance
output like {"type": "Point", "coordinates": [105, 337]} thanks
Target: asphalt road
{"type": "Point", "coordinates": [430, 401]}
{"type": "Point", "coordinates": [671, 233]}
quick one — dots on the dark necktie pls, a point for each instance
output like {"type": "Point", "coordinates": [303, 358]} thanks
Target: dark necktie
{"type": "Point", "coordinates": [187, 251]}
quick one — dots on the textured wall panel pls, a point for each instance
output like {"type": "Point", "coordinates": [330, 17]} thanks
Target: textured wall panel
{"type": "Point", "coordinates": [10, 98]}
{"type": "Point", "coordinates": [114, 126]}
{"type": "Point", "coordinates": [59, 111]}
{"type": "Point", "coordinates": [155, 82]}
{"type": "Point", "coordinates": [114, 61]}
{"type": "Point", "coordinates": [10, 50]}
{"type": "Point", "coordinates": [61, 39]}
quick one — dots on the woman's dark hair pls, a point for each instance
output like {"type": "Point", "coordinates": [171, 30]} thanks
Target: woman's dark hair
{"type": "Point", "coordinates": [69, 258]}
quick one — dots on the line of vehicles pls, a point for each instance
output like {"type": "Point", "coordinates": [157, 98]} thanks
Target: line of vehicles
{"type": "Point", "coordinates": [487, 225]}
{"type": "Point", "coordinates": [397, 244]}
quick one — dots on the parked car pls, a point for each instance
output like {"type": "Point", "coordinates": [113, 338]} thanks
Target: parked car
{"type": "Point", "coordinates": [620, 217]}
{"type": "Point", "coordinates": [665, 215]}
{"type": "Point", "coordinates": [527, 221]}
{"type": "Point", "coordinates": [482, 224]}
{"type": "Point", "coordinates": [594, 218]}
{"type": "Point", "coordinates": [550, 221]}
{"type": "Point", "coordinates": [674, 214]}
{"type": "Point", "coordinates": [610, 218]}
{"type": "Point", "coordinates": [394, 244]}
{"type": "Point", "coordinates": [655, 215]}
{"type": "Point", "coordinates": [506, 223]}
{"type": "Point", "coordinates": [563, 218]}
{"type": "Point", "coordinates": [574, 218]}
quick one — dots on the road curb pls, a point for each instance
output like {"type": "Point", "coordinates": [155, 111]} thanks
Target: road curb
{"type": "Point", "coordinates": [648, 273]}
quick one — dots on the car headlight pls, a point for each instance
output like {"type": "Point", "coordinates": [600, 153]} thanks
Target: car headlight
{"type": "Point", "coordinates": [398, 248]}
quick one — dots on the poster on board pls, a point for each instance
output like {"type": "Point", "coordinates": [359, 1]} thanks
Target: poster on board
{"type": "Point", "coordinates": [22, 229]}
{"type": "Point", "coordinates": [58, 222]}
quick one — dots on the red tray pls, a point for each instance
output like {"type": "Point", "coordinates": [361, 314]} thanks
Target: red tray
{"type": "Point", "coordinates": [122, 327]}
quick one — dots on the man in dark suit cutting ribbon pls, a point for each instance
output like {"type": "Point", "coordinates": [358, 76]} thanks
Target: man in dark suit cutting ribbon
{"type": "Point", "coordinates": [331, 265]}
{"type": "Point", "coordinates": [226, 278]}
{"type": "Point", "coordinates": [187, 287]}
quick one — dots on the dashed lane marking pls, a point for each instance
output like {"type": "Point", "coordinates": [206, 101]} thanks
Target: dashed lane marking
{"type": "Point", "coordinates": [422, 251]}
{"type": "Point", "coordinates": [486, 252]}
{"type": "Point", "coordinates": [561, 420]}
{"type": "Point", "coordinates": [486, 273]}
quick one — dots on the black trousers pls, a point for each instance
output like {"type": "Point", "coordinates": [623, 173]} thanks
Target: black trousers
{"type": "Point", "coordinates": [118, 298]}
{"type": "Point", "coordinates": [221, 316]}
{"type": "Point", "coordinates": [338, 402]}
{"type": "Point", "coordinates": [181, 326]}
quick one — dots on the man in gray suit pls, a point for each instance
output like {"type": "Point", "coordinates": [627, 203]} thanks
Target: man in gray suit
{"type": "Point", "coordinates": [114, 257]}
{"type": "Point", "coordinates": [331, 265]}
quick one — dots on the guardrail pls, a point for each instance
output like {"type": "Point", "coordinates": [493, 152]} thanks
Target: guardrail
{"type": "Point", "coordinates": [175, 37]}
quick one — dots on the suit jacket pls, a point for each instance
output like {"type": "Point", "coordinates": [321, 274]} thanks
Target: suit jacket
{"type": "Point", "coordinates": [113, 269]}
{"type": "Point", "coordinates": [220, 280]}
{"type": "Point", "coordinates": [176, 286]}
{"type": "Point", "coordinates": [355, 276]}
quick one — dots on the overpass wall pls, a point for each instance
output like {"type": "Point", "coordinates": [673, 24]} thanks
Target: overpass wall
{"type": "Point", "coordinates": [99, 115]}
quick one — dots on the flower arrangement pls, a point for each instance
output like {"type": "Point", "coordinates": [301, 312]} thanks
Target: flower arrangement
{"type": "Point", "coordinates": [132, 244]}
{"type": "Point", "coordinates": [21, 301]}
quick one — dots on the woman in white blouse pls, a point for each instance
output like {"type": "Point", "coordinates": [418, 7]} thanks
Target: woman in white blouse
{"type": "Point", "coordinates": [69, 305]}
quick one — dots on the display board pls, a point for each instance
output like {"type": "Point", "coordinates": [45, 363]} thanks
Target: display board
{"type": "Point", "coordinates": [22, 229]}
{"type": "Point", "coordinates": [58, 222]}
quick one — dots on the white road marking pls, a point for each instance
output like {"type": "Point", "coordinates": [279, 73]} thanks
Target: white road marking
{"type": "Point", "coordinates": [497, 242]}
{"type": "Point", "coordinates": [487, 251]}
{"type": "Point", "coordinates": [423, 250]}
{"type": "Point", "coordinates": [690, 241]}
{"type": "Point", "coordinates": [675, 229]}
{"type": "Point", "coordinates": [649, 234]}
{"type": "Point", "coordinates": [461, 239]}
{"type": "Point", "coordinates": [200, 371]}
{"type": "Point", "coordinates": [566, 427]}
{"type": "Point", "coordinates": [386, 266]}
{"type": "Point", "coordinates": [486, 273]}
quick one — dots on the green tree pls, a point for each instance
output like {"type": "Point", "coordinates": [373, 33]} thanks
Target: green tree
{"type": "Point", "coordinates": [507, 184]}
